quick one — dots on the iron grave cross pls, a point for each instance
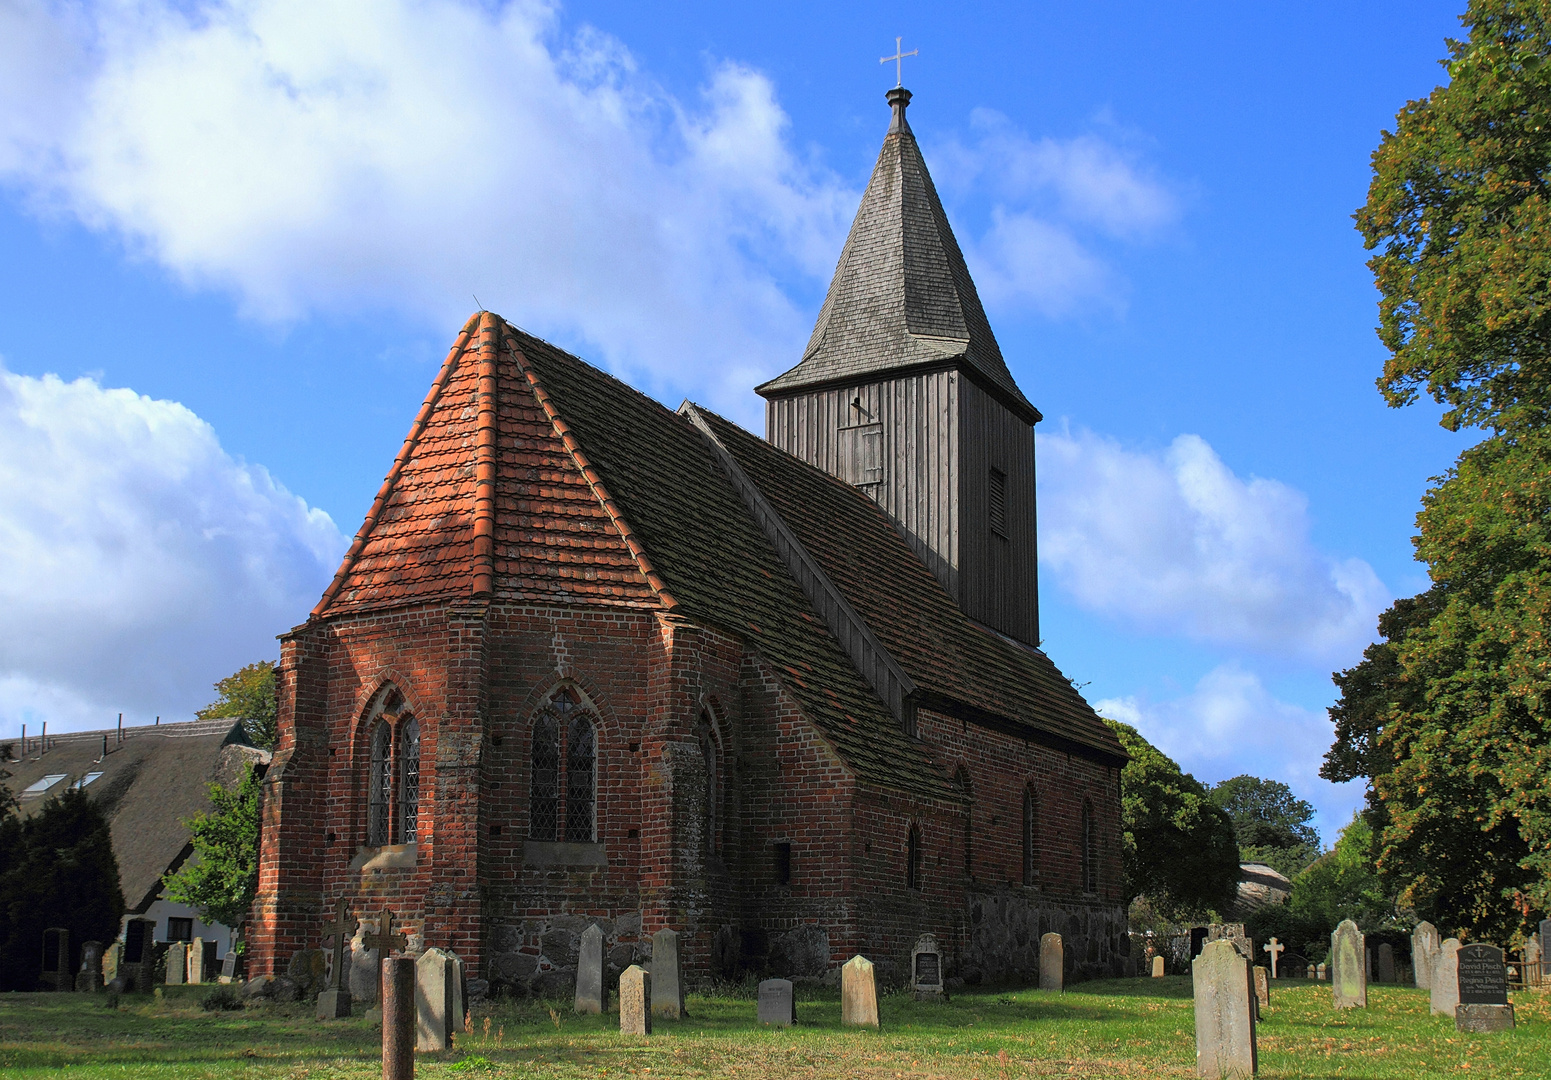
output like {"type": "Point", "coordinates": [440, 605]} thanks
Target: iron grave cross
{"type": "Point", "coordinates": [342, 929]}
{"type": "Point", "coordinates": [386, 938]}
{"type": "Point", "coordinates": [899, 61]}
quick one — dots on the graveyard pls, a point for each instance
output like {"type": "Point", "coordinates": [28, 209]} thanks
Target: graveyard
{"type": "Point", "coordinates": [1122, 1027]}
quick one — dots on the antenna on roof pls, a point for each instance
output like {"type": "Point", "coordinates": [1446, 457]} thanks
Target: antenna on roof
{"type": "Point", "coordinates": [158, 722]}
{"type": "Point", "coordinates": [477, 304]}
{"type": "Point", "coordinates": [120, 727]}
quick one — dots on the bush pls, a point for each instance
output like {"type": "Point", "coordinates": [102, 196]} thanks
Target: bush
{"type": "Point", "coordinates": [221, 999]}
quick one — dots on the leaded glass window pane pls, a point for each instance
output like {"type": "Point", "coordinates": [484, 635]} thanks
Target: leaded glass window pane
{"type": "Point", "coordinates": [581, 757]}
{"type": "Point", "coordinates": [409, 783]}
{"type": "Point", "coordinates": [544, 783]}
{"type": "Point", "coordinates": [379, 786]}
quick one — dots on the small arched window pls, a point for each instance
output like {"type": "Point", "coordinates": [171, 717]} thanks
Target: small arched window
{"type": "Point", "coordinates": [711, 808]}
{"type": "Point", "coordinates": [1090, 861]}
{"type": "Point", "coordinates": [409, 781]}
{"type": "Point", "coordinates": [1030, 837]}
{"type": "Point", "coordinates": [913, 858]}
{"type": "Point", "coordinates": [568, 768]}
{"type": "Point", "coordinates": [380, 786]}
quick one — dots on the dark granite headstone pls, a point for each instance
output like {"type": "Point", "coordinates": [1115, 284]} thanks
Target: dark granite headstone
{"type": "Point", "coordinates": [1197, 940]}
{"type": "Point", "coordinates": [1482, 977]}
{"type": "Point", "coordinates": [1545, 947]}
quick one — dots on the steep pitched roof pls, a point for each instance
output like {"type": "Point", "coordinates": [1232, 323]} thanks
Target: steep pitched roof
{"type": "Point", "coordinates": [951, 660]}
{"type": "Point", "coordinates": [147, 785]}
{"type": "Point", "coordinates": [901, 296]}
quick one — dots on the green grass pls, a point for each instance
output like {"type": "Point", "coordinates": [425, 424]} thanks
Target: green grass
{"type": "Point", "coordinates": [1129, 1027]}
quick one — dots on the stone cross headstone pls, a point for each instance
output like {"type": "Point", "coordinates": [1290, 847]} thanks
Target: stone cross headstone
{"type": "Point", "coordinates": [1483, 990]}
{"type": "Point", "coordinates": [89, 979]}
{"type": "Point", "coordinates": [1275, 948]}
{"type": "Point", "coordinates": [667, 976]}
{"type": "Point", "coordinates": [1262, 987]}
{"type": "Point", "coordinates": [1348, 976]}
{"type": "Point", "coordinates": [776, 1005]}
{"type": "Point", "coordinates": [1445, 988]}
{"type": "Point", "coordinates": [635, 1001]}
{"type": "Point", "coordinates": [1157, 967]}
{"type": "Point", "coordinates": [385, 941]}
{"type": "Point", "coordinates": [334, 1002]}
{"type": "Point", "coordinates": [196, 962]}
{"type": "Point", "coordinates": [435, 973]}
{"type": "Point", "coordinates": [1225, 1018]}
{"type": "Point", "coordinates": [177, 963]}
{"type": "Point", "coordinates": [1052, 962]}
{"type": "Point", "coordinates": [926, 968]}
{"type": "Point", "coordinates": [398, 1018]}
{"type": "Point", "coordinates": [1424, 952]}
{"type": "Point", "coordinates": [592, 990]}
{"type": "Point", "coordinates": [56, 973]}
{"type": "Point", "coordinates": [858, 993]}
{"type": "Point", "coordinates": [1386, 962]}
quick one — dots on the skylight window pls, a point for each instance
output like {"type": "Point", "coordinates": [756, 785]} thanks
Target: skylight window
{"type": "Point", "coordinates": [44, 784]}
{"type": "Point", "coordinates": [88, 778]}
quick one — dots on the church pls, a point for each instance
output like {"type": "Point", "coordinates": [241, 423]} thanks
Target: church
{"type": "Point", "coordinates": [592, 660]}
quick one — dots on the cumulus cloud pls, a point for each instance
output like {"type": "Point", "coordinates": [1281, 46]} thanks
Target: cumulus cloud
{"type": "Point", "coordinates": [1230, 724]}
{"type": "Point", "coordinates": [1175, 542]}
{"type": "Point", "coordinates": [138, 561]}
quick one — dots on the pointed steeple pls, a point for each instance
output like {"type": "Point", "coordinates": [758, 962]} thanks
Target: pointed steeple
{"type": "Point", "coordinates": [901, 297]}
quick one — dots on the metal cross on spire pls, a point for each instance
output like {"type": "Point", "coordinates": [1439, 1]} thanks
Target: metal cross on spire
{"type": "Point", "coordinates": [899, 61]}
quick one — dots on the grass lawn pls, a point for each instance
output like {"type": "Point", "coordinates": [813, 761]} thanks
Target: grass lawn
{"type": "Point", "coordinates": [1125, 1027]}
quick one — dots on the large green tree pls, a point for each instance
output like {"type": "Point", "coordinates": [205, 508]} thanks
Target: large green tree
{"type": "Point", "coordinates": [1179, 849]}
{"type": "Point", "coordinates": [221, 876]}
{"type": "Point", "coordinates": [1448, 715]}
{"type": "Point", "coordinates": [248, 694]}
{"type": "Point", "coordinates": [1270, 823]}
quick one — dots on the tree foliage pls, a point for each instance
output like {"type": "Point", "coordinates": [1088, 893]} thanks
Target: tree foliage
{"type": "Point", "coordinates": [1270, 823]}
{"type": "Point", "coordinates": [221, 876]}
{"type": "Point", "coordinates": [1179, 849]}
{"type": "Point", "coordinates": [249, 695]}
{"type": "Point", "coordinates": [57, 868]}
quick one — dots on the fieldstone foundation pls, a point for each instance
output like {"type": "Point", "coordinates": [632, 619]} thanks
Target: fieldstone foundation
{"type": "Point", "coordinates": [1005, 927]}
{"type": "Point", "coordinates": [538, 956]}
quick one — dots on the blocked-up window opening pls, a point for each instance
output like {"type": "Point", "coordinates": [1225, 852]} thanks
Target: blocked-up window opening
{"type": "Point", "coordinates": [544, 783]}
{"type": "Point", "coordinates": [998, 502]}
{"type": "Point", "coordinates": [380, 786]}
{"type": "Point", "coordinates": [1090, 862]}
{"type": "Point", "coordinates": [409, 782]}
{"type": "Point", "coordinates": [581, 760]}
{"type": "Point", "coordinates": [783, 863]}
{"type": "Point", "coordinates": [961, 778]}
{"type": "Point", "coordinates": [1030, 838]}
{"type": "Point", "coordinates": [713, 784]}
{"type": "Point", "coordinates": [861, 454]}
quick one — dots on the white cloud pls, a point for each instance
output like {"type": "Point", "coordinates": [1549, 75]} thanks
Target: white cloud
{"type": "Point", "coordinates": [138, 561]}
{"type": "Point", "coordinates": [1177, 543]}
{"type": "Point", "coordinates": [1231, 724]}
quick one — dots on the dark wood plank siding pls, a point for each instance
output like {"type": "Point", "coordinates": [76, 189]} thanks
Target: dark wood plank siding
{"type": "Point", "coordinates": [998, 574]}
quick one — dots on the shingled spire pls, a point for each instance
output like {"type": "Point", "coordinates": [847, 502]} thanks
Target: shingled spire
{"type": "Point", "coordinates": [901, 297]}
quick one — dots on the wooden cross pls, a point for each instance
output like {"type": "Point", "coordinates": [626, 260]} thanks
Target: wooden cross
{"type": "Point", "coordinates": [899, 61]}
{"type": "Point", "coordinates": [342, 929]}
{"type": "Point", "coordinates": [1275, 948]}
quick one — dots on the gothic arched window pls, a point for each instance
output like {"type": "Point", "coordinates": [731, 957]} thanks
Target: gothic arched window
{"type": "Point", "coordinates": [1090, 861]}
{"type": "Point", "coordinates": [380, 786]}
{"type": "Point", "coordinates": [913, 858]}
{"type": "Point", "coordinates": [573, 818]}
{"type": "Point", "coordinates": [409, 781]}
{"type": "Point", "coordinates": [711, 808]}
{"type": "Point", "coordinates": [1030, 837]}
{"type": "Point", "coordinates": [961, 778]}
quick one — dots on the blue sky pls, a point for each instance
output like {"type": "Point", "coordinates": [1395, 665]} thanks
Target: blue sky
{"type": "Point", "coordinates": [253, 228]}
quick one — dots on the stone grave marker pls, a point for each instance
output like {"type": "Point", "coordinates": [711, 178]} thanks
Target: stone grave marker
{"type": "Point", "coordinates": [1445, 988]}
{"type": "Point", "coordinates": [1386, 962]}
{"type": "Point", "coordinates": [334, 1001]}
{"type": "Point", "coordinates": [56, 973]}
{"type": "Point", "coordinates": [1319, 972]}
{"type": "Point", "coordinates": [1424, 952]}
{"type": "Point", "coordinates": [1262, 987]}
{"type": "Point", "coordinates": [592, 989]}
{"type": "Point", "coordinates": [1348, 976]}
{"type": "Point", "coordinates": [1294, 966]}
{"type": "Point", "coordinates": [177, 963]}
{"type": "Point", "coordinates": [228, 966]}
{"type": "Point", "coordinates": [89, 979]}
{"type": "Point", "coordinates": [110, 959]}
{"type": "Point", "coordinates": [196, 962]}
{"type": "Point", "coordinates": [137, 962]}
{"type": "Point", "coordinates": [1157, 967]}
{"type": "Point", "coordinates": [776, 1004]}
{"type": "Point", "coordinates": [1052, 962]}
{"type": "Point", "coordinates": [1545, 948]}
{"type": "Point", "coordinates": [1483, 990]}
{"type": "Point", "coordinates": [635, 1005]}
{"type": "Point", "coordinates": [1225, 1018]}
{"type": "Point", "coordinates": [435, 973]}
{"type": "Point", "coordinates": [385, 940]}
{"type": "Point", "coordinates": [1233, 932]}
{"type": "Point", "coordinates": [858, 993]}
{"type": "Point", "coordinates": [398, 1018]}
{"type": "Point", "coordinates": [926, 969]}
{"type": "Point", "coordinates": [458, 1012]}
{"type": "Point", "coordinates": [1197, 940]}
{"type": "Point", "coordinates": [1275, 949]}
{"type": "Point", "coordinates": [667, 975]}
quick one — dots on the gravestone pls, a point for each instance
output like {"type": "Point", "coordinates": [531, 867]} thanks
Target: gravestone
{"type": "Point", "coordinates": [1197, 940]}
{"type": "Point", "coordinates": [635, 1008]}
{"type": "Point", "coordinates": [1275, 949]}
{"type": "Point", "coordinates": [228, 966]}
{"type": "Point", "coordinates": [1225, 1018]}
{"type": "Point", "coordinates": [1294, 966]}
{"type": "Point", "coordinates": [1348, 975]}
{"type": "Point", "coordinates": [1157, 967]}
{"type": "Point", "coordinates": [858, 993]}
{"type": "Point", "coordinates": [177, 963]}
{"type": "Point", "coordinates": [1445, 988]}
{"type": "Point", "coordinates": [110, 960]}
{"type": "Point", "coordinates": [776, 1005]}
{"type": "Point", "coordinates": [398, 1018]}
{"type": "Point", "coordinates": [1233, 932]}
{"type": "Point", "coordinates": [1263, 987]}
{"type": "Point", "coordinates": [196, 962]}
{"type": "Point", "coordinates": [458, 1011]}
{"type": "Point", "coordinates": [56, 973]}
{"type": "Point", "coordinates": [1545, 948]}
{"type": "Point", "coordinates": [1386, 962]}
{"type": "Point", "coordinates": [1319, 972]}
{"type": "Point", "coordinates": [1052, 962]}
{"type": "Point", "coordinates": [435, 973]}
{"type": "Point", "coordinates": [334, 1002]}
{"type": "Point", "coordinates": [89, 979]}
{"type": "Point", "coordinates": [385, 940]}
{"type": "Point", "coordinates": [1483, 990]}
{"type": "Point", "coordinates": [1424, 953]}
{"type": "Point", "coordinates": [667, 975]}
{"type": "Point", "coordinates": [592, 990]}
{"type": "Point", "coordinates": [926, 969]}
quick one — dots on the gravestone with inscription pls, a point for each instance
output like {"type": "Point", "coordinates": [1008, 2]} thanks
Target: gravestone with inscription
{"type": "Point", "coordinates": [110, 959]}
{"type": "Point", "coordinates": [177, 963]}
{"type": "Point", "coordinates": [926, 969]}
{"type": "Point", "coordinates": [196, 962]}
{"type": "Point", "coordinates": [858, 993]}
{"type": "Point", "coordinates": [89, 979]}
{"type": "Point", "coordinates": [635, 1001]}
{"type": "Point", "coordinates": [592, 990]}
{"type": "Point", "coordinates": [667, 976]}
{"type": "Point", "coordinates": [1348, 975]}
{"type": "Point", "coordinates": [1483, 990]}
{"type": "Point", "coordinates": [1545, 948]}
{"type": "Point", "coordinates": [1052, 962]}
{"type": "Point", "coordinates": [1386, 964]}
{"type": "Point", "coordinates": [1157, 967]}
{"type": "Point", "coordinates": [1445, 988]}
{"type": "Point", "coordinates": [435, 975]}
{"type": "Point", "coordinates": [776, 1005]}
{"type": "Point", "coordinates": [1424, 952]}
{"type": "Point", "coordinates": [228, 966]}
{"type": "Point", "coordinates": [1262, 987]}
{"type": "Point", "coordinates": [1225, 1013]}
{"type": "Point", "coordinates": [1233, 932]}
